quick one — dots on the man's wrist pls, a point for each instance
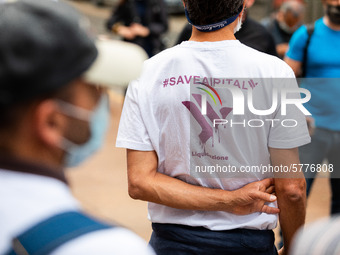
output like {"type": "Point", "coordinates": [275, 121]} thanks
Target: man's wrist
{"type": "Point", "coordinates": [226, 200]}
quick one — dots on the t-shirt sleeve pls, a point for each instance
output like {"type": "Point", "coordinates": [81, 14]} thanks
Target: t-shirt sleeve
{"type": "Point", "coordinates": [132, 132]}
{"type": "Point", "coordinates": [290, 129]}
{"type": "Point", "coordinates": [297, 44]}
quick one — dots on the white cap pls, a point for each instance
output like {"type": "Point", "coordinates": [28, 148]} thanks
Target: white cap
{"type": "Point", "coordinates": [117, 63]}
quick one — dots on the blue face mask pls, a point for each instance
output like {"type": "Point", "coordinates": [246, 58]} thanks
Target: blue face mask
{"type": "Point", "coordinates": [98, 121]}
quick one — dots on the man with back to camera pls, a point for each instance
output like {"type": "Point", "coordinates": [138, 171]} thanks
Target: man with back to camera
{"type": "Point", "coordinates": [52, 117]}
{"type": "Point", "coordinates": [322, 70]}
{"type": "Point", "coordinates": [193, 215]}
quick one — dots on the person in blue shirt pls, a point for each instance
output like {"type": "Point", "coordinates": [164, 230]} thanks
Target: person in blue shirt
{"type": "Point", "coordinates": [322, 70]}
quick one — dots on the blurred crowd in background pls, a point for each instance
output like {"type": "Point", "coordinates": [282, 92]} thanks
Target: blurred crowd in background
{"type": "Point", "coordinates": [268, 24]}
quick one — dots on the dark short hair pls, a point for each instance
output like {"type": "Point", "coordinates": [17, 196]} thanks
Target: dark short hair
{"type": "Point", "coordinates": [204, 12]}
{"type": "Point", "coordinates": [11, 115]}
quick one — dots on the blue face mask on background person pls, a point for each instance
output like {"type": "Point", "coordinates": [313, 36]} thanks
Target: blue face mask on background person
{"type": "Point", "coordinates": [98, 122]}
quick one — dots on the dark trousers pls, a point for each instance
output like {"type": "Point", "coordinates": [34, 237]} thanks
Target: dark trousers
{"type": "Point", "coordinates": [325, 145]}
{"type": "Point", "coordinates": [171, 239]}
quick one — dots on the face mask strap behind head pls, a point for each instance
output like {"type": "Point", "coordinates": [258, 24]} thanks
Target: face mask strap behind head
{"type": "Point", "coordinates": [215, 26]}
{"type": "Point", "coordinates": [74, 111]}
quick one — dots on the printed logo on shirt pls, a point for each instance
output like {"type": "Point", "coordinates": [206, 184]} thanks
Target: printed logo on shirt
{"type": "Point", "coordinates": [219, 107]}
{"type": "Point", "coordinates": [187, 79]}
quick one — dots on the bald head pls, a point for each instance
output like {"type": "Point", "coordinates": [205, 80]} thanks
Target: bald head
{"type": "Point", "coordinates": [296, 8]}
{"type": "Point", "coordinates": [290, 15]}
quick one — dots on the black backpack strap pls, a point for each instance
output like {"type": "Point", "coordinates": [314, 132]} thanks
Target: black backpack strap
{"type": "Point", "coordinates": [53, 232]}
{"type": "Point", "coordinates": [310, 31]}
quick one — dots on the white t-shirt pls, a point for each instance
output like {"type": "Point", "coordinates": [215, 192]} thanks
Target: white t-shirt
{"type": "Point", "coordinates": [156, 117]}
{"type": "Point", "coordinates": [27, 199]}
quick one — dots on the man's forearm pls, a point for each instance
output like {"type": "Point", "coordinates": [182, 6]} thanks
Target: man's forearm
{"type": "Point", "coordinates": [166, 190]}
{"type": "Point", "coordinates": [145, 183]}
{"type": "Point", "coordinates": [290, 190]}
{"type": "Point", "coordinates": [292, 214]}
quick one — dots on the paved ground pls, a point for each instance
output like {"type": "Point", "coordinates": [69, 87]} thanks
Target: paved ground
{"type": "Point", "coordinates": [101, 186]}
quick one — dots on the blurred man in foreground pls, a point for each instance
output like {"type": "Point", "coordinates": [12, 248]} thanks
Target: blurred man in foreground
{"type": "Point", "coordinates": [52, 116]}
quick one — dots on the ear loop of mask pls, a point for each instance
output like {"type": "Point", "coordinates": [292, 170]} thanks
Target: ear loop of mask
{"type": "Point", "coordinates": [74, 111]}
{"type": "Point", "coordinates": [239, 23]}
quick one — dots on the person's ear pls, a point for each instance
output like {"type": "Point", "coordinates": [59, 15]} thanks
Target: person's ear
{"type": "Point", "coordinates": [249, 3]}
{"type": "Point", "coordinates": [244, 9]}
{"type": "Point", "coordinates": [280, 16]}
{"type": "Point", "coordinates": [50, 124]}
